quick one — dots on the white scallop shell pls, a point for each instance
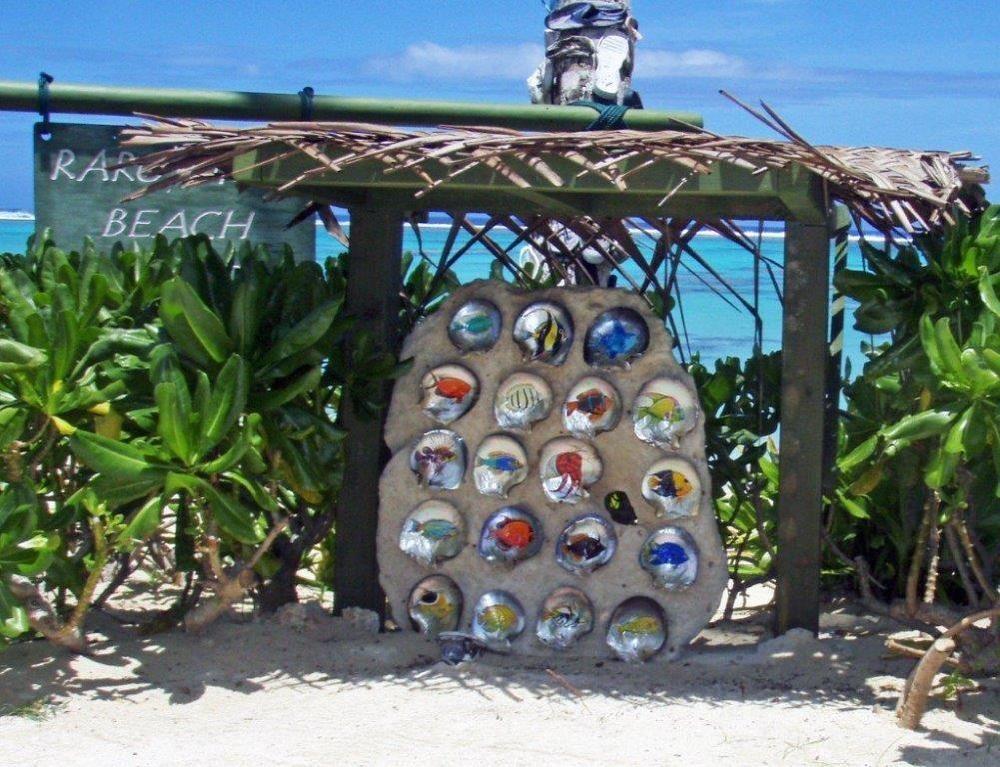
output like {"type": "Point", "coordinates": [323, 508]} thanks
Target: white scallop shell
{"type": "Point", "coordinates": [664, 411]}
{"type": "Point", "coordinates": [521, 400]}
{"type": "Point", "coordinates": [499, 465]}
{"type": "Point", "coordinates": [567, 468]}
{"type": "Point", "coordinates": [673, 487]}
{"type": "Point", "coordinates": [593, 405]}
{"type": "Point", "coordinates": [449, 392]}
{"type": "Point", "coordinates": [433, 532]}
{"type": "Point", "coordinates": [670, 556]}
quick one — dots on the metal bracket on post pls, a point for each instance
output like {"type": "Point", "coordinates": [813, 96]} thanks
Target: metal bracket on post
{"type": "Point", "coordinates": [44, 80]}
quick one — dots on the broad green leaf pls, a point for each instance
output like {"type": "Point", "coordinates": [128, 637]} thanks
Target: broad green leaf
{"type": "Point", "coordinates": [858, 455]}
{"type": "Point", "coordinates": [17, 357]}
{"type": "Point", "coordinates": [304, 334]}
{"type": "Point", "coordinates": [118, 491]}
{"type": "Point", "coordinates": [987, 292]}
{"type": "Point", "coordinates": [13, 616]}
{"type": "Point", "coordinates": [144, 522]}
{"type": "Point", "coordinates": [233, 518]}
{"type": "Point", "coordinates": [194, 326]}
{"type": "Point", "coordinates": [110, 457]}
{"type": "Point", "coordinates": [912, 428]}
{"type": "Point", "coordinates": [226, 403]}
{"type": "Point", "coordinates": [174, 424]}
{"type": "Point", "coordinates": [955, 441]}
{"type": "Point", "coordinates": [277, 397]}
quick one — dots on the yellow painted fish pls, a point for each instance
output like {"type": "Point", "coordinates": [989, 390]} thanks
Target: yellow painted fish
{"type": "Point", "coordinates": [641, 625]}
{"type": "Point", "coordinates": [497, 619]}
{"type": "Point", "coordinates": [549, 336]}
{"type": "Point", "coordinates": [662, 407]}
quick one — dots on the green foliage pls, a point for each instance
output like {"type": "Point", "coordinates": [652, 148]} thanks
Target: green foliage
{"type": "Point", "coordinates": [174, 394]}
{"type": "Point", "coordinates": [924, 418]}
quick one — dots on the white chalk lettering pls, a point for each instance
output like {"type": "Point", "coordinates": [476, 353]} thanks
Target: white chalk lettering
{"type": "Point", "coordinates": [197, 221]}
{"type": "Point", "coordinates": [116, 221]}
{"type": "Point", "coordinates": [141, 177]}
{"type": "Point", "coordinates": [141, 221]}
{"type": "Point", "coordinates": [123, 158]}
{"type": "Point", "coordinates": [98, 165]}
{"type": "Point", "coordinates": [64, 159]}
{"type": "Point", "coordinates": [178, 222]}
{"type": "Point", "coordinates": [228, 224]}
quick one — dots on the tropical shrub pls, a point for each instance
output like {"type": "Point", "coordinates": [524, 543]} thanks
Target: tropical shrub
{"type": "Point", "coordinates": [919, 489]}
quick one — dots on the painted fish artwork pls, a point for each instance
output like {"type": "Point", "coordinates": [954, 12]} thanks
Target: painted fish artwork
{"type": "Point", "coordinates": [439, 459]}
{"type": "Point", "coordinates": [476, 326]}
{"type": "Point", "coordinates": [510, 535]}
{"type": "Point", "coordinates": [620, 508]}
{"type": "Point", "coordinates": [567, 467]}
{"type": "Point", "coordinates": [592, 406]}
{"type": "Point", "coordinates": [670, 556]}
{"type": "Point", "coordinates": [616, 338]}
{"type": "Point", "coordinates": [566, 615]}
{"type": "Point", "coordinates": [498, 619]}
{"type": "Point", "coordinates": [500, 464]}
{"type": "Point", "coordinates": [673, 488]}
{"type": "Point", "coordinates": [637, 630]}
{"type": "Point", "coordinates": [544, 331]}
{"type": "Point", "coordinates": [664, 411]}
{"type": "Point", "coordinates": [448, 392]}
{"type": "Point", "coordinates": [586, 544]}
{"type": "Point", "coordinates": [435, 605]}
{"type": "Point", "coordinates": [433, 532]}
{"type": "Point", "coordinates": [521, 400]}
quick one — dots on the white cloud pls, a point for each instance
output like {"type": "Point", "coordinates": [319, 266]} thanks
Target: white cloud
{"type": "Point", "coordinates": [465, 62]}
{"type": "Point", "coordinates": [695, 62]}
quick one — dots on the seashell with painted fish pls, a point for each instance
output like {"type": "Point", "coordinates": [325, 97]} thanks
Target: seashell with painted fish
{"type": "Point", "coordinates": [500, 463]}
{"type": "Point", "coordinates": [567, 467]}
{"type": "Point", "coordinates": [566, 615]}
{"type": "Point", "coordinates": [663, 412]}
{"type": "Point", "coordinates": [435, 605]}
{"type": "Point", "coordinates": [476, 326]}
{"type": "Point", "coordinates": [510, 535]}
{"type": "Point", "coordinates": [449, 392]}
{"type": "Point", "coordinates": [498, 619]}
{"type": "Point", "coordinates": [521, 400]}
{"type": "Point", "coordinates": [433, 532]}
{"type": "Point", "coordinates": [544, 331]}
{"type": "Point", "coordinates": [615, 338]}
{"type": "Point", "coordinates": [670, 555]}
{"type": "Point", "coordinates": [637, 630]}
{"type": "Point", "coordinates": [672, 486]}
{"type": "Point", "coordinates": [587, 543]}
{"type": "Point", "coordinates": [439, 459]}
{"type": "Point", "coordinates": [593, 405]}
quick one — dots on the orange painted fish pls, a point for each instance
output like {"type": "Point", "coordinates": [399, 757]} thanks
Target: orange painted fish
{"type": "Point", "coordinates": [451, 388]}
{"type": "Point", "coordinates": [593, 402]}
{"type": "Point", "coordinates": [514, 534]}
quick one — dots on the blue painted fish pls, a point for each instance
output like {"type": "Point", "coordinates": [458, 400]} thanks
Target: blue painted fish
{"type": "Point", "coordinates": [434, 529]}
{"type": "Point", "coordinates": [503, 462]}
{"type": "Point", "coordinates": [477, 324]}
{"type": "Point", "coordinates": [668, 553]}
{"type": "Point", "coordinates": [618, 341]}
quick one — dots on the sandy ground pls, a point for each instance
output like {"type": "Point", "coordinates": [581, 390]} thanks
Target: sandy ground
{"type": "Point", "coordinates": [309, 689]}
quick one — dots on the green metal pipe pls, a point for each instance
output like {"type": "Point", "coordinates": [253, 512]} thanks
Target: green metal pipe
{"type": "Point", "coordinates": [237, 105]}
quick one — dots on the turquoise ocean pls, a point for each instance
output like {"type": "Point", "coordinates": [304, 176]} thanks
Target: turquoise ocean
{"type": "Point", "coordinates": [715, 328]}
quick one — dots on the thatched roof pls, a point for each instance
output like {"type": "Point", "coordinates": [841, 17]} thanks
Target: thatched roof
{"type": "Point", "coordinates": [889, 188]}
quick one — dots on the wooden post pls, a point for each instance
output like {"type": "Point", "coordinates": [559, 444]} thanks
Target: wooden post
{"type": "Point", "coordinates": [373, 287]}
{"type": "Point", "coordinates": [805, 356]}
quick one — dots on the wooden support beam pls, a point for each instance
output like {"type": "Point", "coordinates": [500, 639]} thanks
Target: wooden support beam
{"type": "Point", "coordinates": [373, 288]}
{"type": "Point", "coordinates": [805, 356]}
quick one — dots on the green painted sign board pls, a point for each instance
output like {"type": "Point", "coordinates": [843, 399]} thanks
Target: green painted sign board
{"type": "Point", "coordinates": [79, 193]}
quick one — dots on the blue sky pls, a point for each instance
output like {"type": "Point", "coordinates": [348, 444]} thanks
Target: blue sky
{"type": "Point", "coordinates": [914, 74]}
